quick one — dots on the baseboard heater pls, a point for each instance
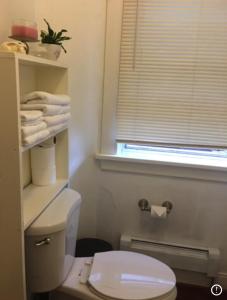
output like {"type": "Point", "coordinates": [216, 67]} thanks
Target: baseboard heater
{"type": "Point", "coordinates": [202, 260]}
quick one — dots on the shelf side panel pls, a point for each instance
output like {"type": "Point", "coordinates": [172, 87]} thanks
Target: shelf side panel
{"type": "Point", "coordinates": [11, 231]}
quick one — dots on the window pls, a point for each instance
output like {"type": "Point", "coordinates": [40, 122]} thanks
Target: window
{"type": "Point", "coordinates": [171, 88]}
{"type": "Point", "coordinates": [147, 151]}
{"type": "Point", "coordinates": [195, 156]}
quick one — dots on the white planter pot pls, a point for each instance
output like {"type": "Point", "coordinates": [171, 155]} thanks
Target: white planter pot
{"type": "Point", "coordinates": [49, 51]}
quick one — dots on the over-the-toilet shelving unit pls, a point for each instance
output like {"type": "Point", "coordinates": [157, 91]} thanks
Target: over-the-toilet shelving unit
{"type": "Point", "coordinates": [21, 201]}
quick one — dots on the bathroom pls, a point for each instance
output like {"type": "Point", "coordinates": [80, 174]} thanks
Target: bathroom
{"type": "Point", "coordinates": [111, 189]}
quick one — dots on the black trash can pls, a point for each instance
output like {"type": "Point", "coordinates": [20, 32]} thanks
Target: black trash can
{"type": "Point", "coordinates": [89, 246]}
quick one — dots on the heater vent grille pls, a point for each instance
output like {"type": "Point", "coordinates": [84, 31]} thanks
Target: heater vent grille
{"type": "Point", "coordinates": [202, 260]}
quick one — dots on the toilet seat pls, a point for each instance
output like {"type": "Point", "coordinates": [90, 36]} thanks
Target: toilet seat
{"type": "Point", "coordinates": [121, 275]}
{"type": "Point", "coordinates": [130, 276]}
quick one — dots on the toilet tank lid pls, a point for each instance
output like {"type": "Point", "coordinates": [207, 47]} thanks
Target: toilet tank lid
{"type": "Point", "coordinates": [54, 218]}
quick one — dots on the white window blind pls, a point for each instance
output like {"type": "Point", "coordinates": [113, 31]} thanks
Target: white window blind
{"type": "Point", "coordinates": [173, 73]}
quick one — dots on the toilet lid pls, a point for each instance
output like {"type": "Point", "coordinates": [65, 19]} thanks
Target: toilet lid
{"type": "Point", "coordinates": [131, 276]}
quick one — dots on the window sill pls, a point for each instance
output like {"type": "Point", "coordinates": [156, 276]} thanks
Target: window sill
{"type": "Point", "coordinates": [181, 169]}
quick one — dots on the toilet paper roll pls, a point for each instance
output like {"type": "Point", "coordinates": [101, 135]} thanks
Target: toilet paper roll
{"type": "Point", "coordinates": [158, 212]}
{"type": "Point", "coordinates": [43, 157]}
{"type": "Point", "coordinates": [44, 176]}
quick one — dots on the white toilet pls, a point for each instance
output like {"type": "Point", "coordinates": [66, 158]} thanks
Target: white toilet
{"type": "Point", "coordinates": [51, 265]}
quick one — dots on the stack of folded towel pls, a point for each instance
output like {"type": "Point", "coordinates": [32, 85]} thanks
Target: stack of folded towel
{"type": "Point", "coordinates": [43, 114]}
{"type": "Point", "coordinates": [33, 128]}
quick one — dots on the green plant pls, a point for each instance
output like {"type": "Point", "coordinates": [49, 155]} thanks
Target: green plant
{"type": "Point", "coordinates": [52, 37]}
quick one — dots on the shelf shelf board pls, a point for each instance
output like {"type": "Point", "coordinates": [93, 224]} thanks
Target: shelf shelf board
{"type": "Point", "coordinates": [37, 198]}
{"type": "Point", "coordinates": [26, 59]}
{"type": "Point", "coordinates": [25, 148]}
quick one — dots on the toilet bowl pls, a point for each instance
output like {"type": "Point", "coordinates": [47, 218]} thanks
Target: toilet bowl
{"type": "Point", "coordinates": [120, 275]}
{"type": "Point", "coordinates": [51, 265]}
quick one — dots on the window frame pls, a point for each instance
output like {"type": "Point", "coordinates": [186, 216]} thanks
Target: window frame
{"type": "Point", "coordinates": [114, 12]}
{"type": "Point", "coordinates": [108, 144]}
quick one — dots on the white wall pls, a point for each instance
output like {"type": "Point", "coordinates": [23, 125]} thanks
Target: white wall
{"type": "Point", "coordinates": [85, 22]}
{"type": "Point", "coordinates": [198, 217]}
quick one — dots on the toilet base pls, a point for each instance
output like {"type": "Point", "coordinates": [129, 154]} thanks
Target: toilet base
{"type": "Point", "coordinates": [72, 289]}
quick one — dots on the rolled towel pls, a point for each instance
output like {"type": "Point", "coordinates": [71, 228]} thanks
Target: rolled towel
{"type": "Point", "coordinates": [38, 97]}
{"type": "Point", "coordinates": [30, 116]}
{"type": "Point", "coordinates": [58, 119]}
{"type": "Point", "coordinates": [36, 137]}
{"type": "Point", "coordinates": [54, 129]}
{"type": "Point", "coordinates": [30, 130]}
{"type": "Point", "coordinates": [47, 109]}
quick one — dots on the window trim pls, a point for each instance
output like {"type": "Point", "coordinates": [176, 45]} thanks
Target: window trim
{"type": "Point", "coordinates": [114, 13]}
{"type": "Point", "coordinates": [116, 163]}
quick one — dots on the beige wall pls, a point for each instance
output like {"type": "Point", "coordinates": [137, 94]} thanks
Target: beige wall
{"type": "Point", "coordinates": [4, 19]}
{"type": "Point", "coordinates": [11, 10]}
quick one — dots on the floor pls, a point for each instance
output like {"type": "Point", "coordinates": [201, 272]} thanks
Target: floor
{"type": "Point", "coordinates": [184, 292]}
{"type": "Point", "coordinates": [188, 292]}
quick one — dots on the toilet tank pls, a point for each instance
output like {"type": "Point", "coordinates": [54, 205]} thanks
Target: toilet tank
{"type": "Point", "coordinates": [50, 243]}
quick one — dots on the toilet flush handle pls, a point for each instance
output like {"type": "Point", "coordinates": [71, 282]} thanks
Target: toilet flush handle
{"type": "Point", "coordinates": [45, 241]}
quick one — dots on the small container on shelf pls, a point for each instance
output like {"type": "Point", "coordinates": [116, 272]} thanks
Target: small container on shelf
{"type": "Point", "coordinates": [24, 30]}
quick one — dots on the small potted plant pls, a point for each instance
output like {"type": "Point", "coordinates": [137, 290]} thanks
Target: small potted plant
{"type": "Point", "coordinates": [52, 42]}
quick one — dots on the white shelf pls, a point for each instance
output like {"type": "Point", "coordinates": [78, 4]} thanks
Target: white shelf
{"type": "Point", "coordinates": [37, 198]}
{"type": "Point", "coordinates": [21, 74]}
{"type": "Point", "coordinates": [26, 59]}
{"type": "Point", "coordinates": [25, 148]}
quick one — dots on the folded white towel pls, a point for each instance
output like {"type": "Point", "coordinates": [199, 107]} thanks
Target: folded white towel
{"type": "Point", "coordinates": [46, 98]}
{"type": "Point", "coordinates": [58, 119]}
{"type": "Point", "coordinates": [56, 128]}
{"type": "Point", "coordinates": [30, 115]}
{"type": "Point", "coordinates": [36, 137]}
{"type": "Point", "coordinates": [47, 109]}
{"type": "Point", "coordinates": [31, 123]}
{"type": "Point", "coordinates": [29, 130]}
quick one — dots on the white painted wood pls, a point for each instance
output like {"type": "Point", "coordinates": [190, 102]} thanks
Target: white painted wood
{"type": "Point", "coordinates": [112, 59]}
{"type": "Point", "coordinates": [20, 74]}
{"type": "Point", "coordinates": [32, 60]}
{"type": "Point", "coordinates": [12, 278]}
{"type": "Point", "coordinates": [162, 168]}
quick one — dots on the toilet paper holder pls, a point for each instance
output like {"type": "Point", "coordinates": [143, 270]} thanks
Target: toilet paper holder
{"type": "Point", "coordinates": [144, 205]}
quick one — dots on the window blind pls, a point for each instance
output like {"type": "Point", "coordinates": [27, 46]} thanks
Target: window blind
{"type": "Point", "coordinates": [173, 73]}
